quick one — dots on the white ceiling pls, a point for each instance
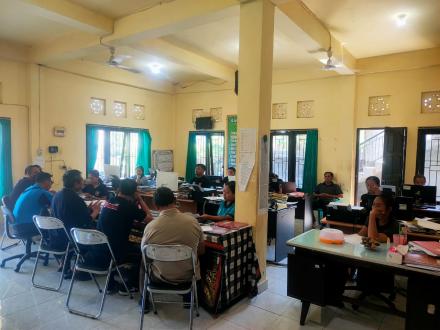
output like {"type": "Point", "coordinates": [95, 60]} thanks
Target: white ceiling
{"type": "Point", "coordinates": [368, 26]}
{"type": "Point", "coordinates": [170, 71]}
{"type": "Point", "coordinates": [20, 24]}
{"type": "Point", "coordinates": [118, 8]}
{"type": "Point", "coordinates": [220, 39]}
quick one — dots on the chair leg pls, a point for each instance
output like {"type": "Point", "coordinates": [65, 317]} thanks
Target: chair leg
{"type": "Point", "coordinates": [191, 309]}
{"type": "Point", "coordinates": [9, 246]}
{"type": "Point", "coordinates": [26, 256]}
{"type": "Point", "coordinates": [4, 261]}
{"type": "Point", "coordinates": [96, 282]}
{"type": "Point", "coordinates": [197, 298]}
{"type": "Point", "coordinates": [143, 297]}
{"type": "Point", "coordinates": [123, 282]}
{"type": "Point", "coordinates": [152, 302]}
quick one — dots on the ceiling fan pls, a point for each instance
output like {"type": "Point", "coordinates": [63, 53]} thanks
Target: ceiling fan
{"type": "Point", "coordinates": [330, 64]}
{"type": "Point", "coordinates": [116, 61]}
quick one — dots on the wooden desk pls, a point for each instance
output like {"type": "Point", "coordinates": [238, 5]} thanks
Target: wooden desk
{"type": "Point", "coordinates": [350, 228]}
{"type": "Point", "coordinates": [184, 205]}
{"type": "Point", "coordinates": [432, 212]}
{"type": "Point", "coordinates": [312, 268]}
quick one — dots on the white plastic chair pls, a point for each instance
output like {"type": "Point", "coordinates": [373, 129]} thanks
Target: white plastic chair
{"type": "Point", "coordinates": [169, 253]}
{"type": "Point", "coordinates": [89, 238]}
{"type": "Point", "coordinates": [44, 226]}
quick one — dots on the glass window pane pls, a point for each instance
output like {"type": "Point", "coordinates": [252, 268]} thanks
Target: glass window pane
{"type": "Point", "coordinates": [201, 149]}
{"type": "Point", "coordinates": [300, 156]}
{"type": "Point", "coordinates": [116, 147]}
{"type": "Point", "coordinates": [217, 142]}
{"type": "Point", "coordinates": [99, 165]}
{"type": "Point", "coordinates": [370, 157]}
{"type": "Point", "coordinates": [280, 156]}
{"type": "Point", "coordinates": [432, 161]}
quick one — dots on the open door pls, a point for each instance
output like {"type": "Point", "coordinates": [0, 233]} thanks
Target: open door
{"type": "Point", "coordinates": [393, 167]}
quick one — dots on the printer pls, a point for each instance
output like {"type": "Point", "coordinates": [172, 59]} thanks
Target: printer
{"type": "Point", "coordinates": [344, 212]}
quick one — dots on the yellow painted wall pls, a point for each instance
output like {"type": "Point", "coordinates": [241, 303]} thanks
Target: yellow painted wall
{"type": "Point", "coordinates": [333, 118]}
{"type": "Point", "coordinates": [13, 84]}
{"type": "Point", "coordinates": [405, 88]}
{"type": "Point", "coordinates": [65, 102]}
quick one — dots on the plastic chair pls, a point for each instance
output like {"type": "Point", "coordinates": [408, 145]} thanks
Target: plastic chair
{"type": "Point", "coordinates": [7, 227]}
{"type": "Point", "coordinates": [9, 220]}
{"type": "Point", "coordinates": [44, 226]}
{"type": "Point", "coordinates": [168, 253]}
{"type": "Point", "coordinates": [89, 238]}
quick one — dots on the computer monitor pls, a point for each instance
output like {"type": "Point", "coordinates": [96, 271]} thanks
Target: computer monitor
{"type": "Point", "coordinates": [111, 170]}
{"type": "Point", "coordinates": [388, 189]}
{"type": "Point", "coordinates": [421, 194]}
{"type": "Point", "coordinates": [215, 181]}
{"type": "Point", "coordinates": [403, 208]}
{"type": "Point", "coordinates": [167, 179]}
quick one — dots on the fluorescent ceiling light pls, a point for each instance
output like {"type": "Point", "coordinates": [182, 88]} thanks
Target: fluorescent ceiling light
{"type": "Point", "coordinates": [155, 67]}
{"type": "Point", "coordinates": [401, 19]}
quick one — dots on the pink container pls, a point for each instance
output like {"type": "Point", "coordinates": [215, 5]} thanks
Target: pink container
{"type": "Point", "coordinates": [399, 239]}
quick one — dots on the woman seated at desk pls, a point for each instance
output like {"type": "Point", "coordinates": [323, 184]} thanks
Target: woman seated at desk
{"type": "Point", "coordinates": [140, 178]}
{"type": "Point", "coordinates": [372, 184]}
{"type": "Point", "coordinates": [226, 210]}
{"type": "Point", "coordinates": [380, 224]}
{"type": "Point", "coordinates": [95, 188]}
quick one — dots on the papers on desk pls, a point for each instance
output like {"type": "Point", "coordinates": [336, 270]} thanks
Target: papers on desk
{"type": "Point", "coordinates": [206, 228]}
{"type": "Point", "coordinates": [427, 223]}
{"type": "Point", "coordinates": [214, 198]}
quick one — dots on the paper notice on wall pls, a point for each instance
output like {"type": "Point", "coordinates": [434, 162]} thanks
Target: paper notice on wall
{"type": "Point", "coordinates": [248, 145]}
{"type": "Point", "coordinates": [263, 194]}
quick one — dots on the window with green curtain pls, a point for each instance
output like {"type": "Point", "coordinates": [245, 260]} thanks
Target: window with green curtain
{"type": "Point", "coordinates": [123, 147]}
{"type": "Point", "coordinates": [6, 157]}
{"type": "Point", "coordinates": [310, 161]}
{"type": "Point", "coordinates": [206, 148]}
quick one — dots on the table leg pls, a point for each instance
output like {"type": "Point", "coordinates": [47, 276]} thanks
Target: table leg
{"type": "Point", "coordinates": [304, 311]}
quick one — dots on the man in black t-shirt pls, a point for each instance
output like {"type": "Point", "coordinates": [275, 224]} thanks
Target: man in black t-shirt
{"type": "Point", "coordinates": [200, 178]}
{"type": "Point", "coordinates": [117, 216]}
{"type": "Point", "coordinates": [116, 220]}
{"type": "Point", "coordinates": [327, 191]}
{"type": "Point", "coordinates": [95, 187]}
{"type": "Point", "coordinates": [28, 180]}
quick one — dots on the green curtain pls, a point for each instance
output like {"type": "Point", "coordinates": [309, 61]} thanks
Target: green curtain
{"type": "Point", "coordinates": [191, 156]}
{"type": "Point", "coordinates": [92, 146]}
{"type": "Point", "coordinates": [6, 157]}
{"type": "Point", "coordinates": [144, 150]}
{"type": "Point", "coordinates": [310, 161]}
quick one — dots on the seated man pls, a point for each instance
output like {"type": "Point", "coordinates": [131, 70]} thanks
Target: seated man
{"type": "Point", "coordinates": [95, 187]}
{"type": "Point", "coordinates": [226, 210]}
{"type": "Point", "coordinates": [173, 227]}
{"type": "Point", "coordinates": [326, 192]}
{"type": "Point", "coordinates": [200, 179]}
{"type": "Point", "coordinates": [140, 178]}
{"type": "Point", "coordinates": [373, 189]}
{"type": "Point", "coordinates": [419, 180]}
{"type": "Point", "coordinates": [275, 184]}
{"type": "Point", "coordinates": [35, 200]}
{"type": "Point", "coordinates": [28, 180]}
{"type": "Point", "coordinates": [230, 174]}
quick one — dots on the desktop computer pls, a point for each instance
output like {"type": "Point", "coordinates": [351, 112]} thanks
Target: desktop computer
{"type": "Point", "coordinates": [423, 195]}
{"type": "Point", "coordinates": [346, 213]}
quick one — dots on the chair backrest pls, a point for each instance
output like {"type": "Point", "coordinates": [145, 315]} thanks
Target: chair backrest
{"type": "Point", "coordinates": [88, 236]}
{"type": "Point", "coordinates": [168, 253]}
{"type": "Point", "coordinates": [8, 217]}
{"type": "Point", "coordinates": [6, 201]}
{"type": "Point", "coordinates": [48, 223]}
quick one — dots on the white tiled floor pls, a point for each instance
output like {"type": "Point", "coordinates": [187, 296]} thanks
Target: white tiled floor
{"type": "Point", "coordinates": [25, 307]}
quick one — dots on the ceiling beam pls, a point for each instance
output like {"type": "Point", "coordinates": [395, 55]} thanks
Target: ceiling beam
{"type": "Point", "coordinates": [315, 36]}
{"type": "Point", "coordinates": [70, 14]}
{"type": "Point", "coordinates": [168, 18]}
{"type": "Point", "coordinates": [188, 58]}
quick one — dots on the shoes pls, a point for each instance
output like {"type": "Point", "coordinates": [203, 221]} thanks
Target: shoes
{"type": "Point", "coordinates": [123, 292]}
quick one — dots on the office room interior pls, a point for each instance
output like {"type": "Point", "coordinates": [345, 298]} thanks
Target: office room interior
{"type": "Point", "coordinates": [268, 120]}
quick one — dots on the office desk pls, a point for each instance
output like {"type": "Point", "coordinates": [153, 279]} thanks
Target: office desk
{"type": "Point", "coordinates": [281, 227]}
{"type": "Point", "coordinates": [184, 205]}
{"type": "Point", "coordinates": [308, 274]}
{"type": "Point", "coordinates": [350, 228]}
{"type": "Point", "coordinates": [432, 212]}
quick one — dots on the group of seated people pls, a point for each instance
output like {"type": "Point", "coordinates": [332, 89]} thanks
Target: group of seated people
{"type": "Point", "coordinates": [114, 217]}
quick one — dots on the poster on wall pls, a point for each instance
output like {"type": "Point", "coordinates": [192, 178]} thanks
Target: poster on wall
{"type": "Point", "coordinates": [163, 160]}
{"type": "Point", "coordinates": [232, 140]}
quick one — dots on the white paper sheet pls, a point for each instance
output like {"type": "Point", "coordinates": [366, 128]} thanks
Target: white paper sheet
{"type": "Point", "coordinates": [248, 145]}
